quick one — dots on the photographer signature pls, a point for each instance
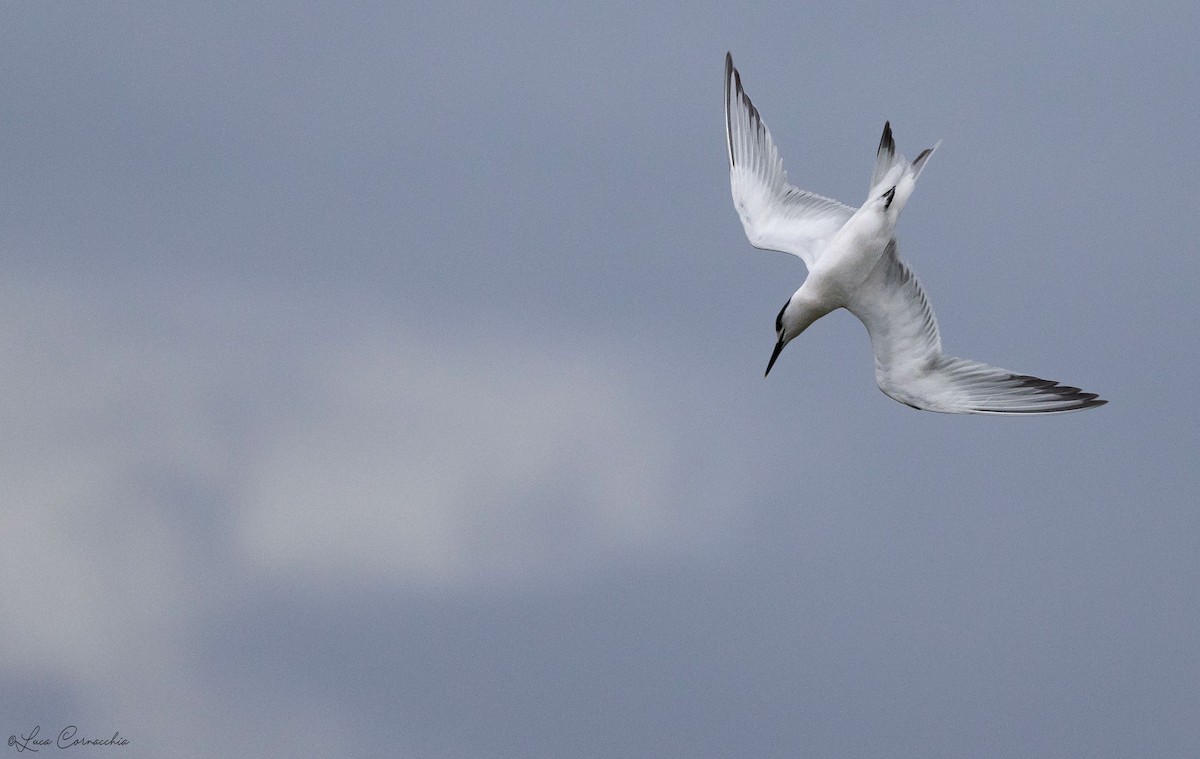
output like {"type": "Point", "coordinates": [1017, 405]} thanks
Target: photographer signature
{"type": "Point", "coordinates": [67, 738]}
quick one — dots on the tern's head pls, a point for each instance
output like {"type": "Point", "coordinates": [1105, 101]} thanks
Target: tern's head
{"type": "Point", "coordinates": [801, 310]}
{"type": "Point", "coordinates": [787, 326]}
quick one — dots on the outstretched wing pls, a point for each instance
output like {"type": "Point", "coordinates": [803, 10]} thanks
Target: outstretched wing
{"type": "Point", "coordinates": [775, 215]}
{"type": "Point", "coordinates": [910, 365]}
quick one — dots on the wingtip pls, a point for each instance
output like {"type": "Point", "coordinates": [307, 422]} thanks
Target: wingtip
{"type": "Point", "coordinates": [735, 94]}
{"type": "Point", "coordinates": [1077, 399]}
{"type": "Point", "coordinates": [730, 74]}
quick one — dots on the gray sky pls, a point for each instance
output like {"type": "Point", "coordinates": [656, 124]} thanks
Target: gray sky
{"type": "Point", "coordinates": [388, 382]}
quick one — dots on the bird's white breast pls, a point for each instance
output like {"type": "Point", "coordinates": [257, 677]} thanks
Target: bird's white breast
{"type": "Point", "coordinates": [851, 255]}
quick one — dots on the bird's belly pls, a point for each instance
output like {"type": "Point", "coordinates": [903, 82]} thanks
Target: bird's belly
{"type": "Point", "coordinates": [840, 272]}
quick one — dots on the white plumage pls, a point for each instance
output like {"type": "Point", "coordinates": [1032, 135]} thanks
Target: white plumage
{"type": "Point", "coordinates": [853, 263]}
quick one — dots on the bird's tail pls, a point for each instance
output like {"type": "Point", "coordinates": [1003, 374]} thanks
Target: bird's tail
{"type": "Point", "coordinates": [892, 169]}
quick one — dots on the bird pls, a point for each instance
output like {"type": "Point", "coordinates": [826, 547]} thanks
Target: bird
{"type": "Point", "coordinates": [853, 263]}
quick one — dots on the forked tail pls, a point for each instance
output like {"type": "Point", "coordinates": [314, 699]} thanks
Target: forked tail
{"type": "Point", "coordinates": [892, 169]}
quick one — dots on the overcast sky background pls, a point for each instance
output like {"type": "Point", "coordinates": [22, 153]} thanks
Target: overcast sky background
{"type": "Point", "coordinates": [387, 382]}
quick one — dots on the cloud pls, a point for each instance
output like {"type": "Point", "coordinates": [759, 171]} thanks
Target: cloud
{"type": "Point", "coordinates": [172, 456]}
{"type": "Point", "coordinates": [416, 466]}
{"type": "Point", "coordinates": [162, 451]}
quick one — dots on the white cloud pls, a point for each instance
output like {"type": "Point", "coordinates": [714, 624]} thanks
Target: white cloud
{"type": "Point", "coordinates": [421, 467]}
{"type": "Point", "coordinates": [160, 454]}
